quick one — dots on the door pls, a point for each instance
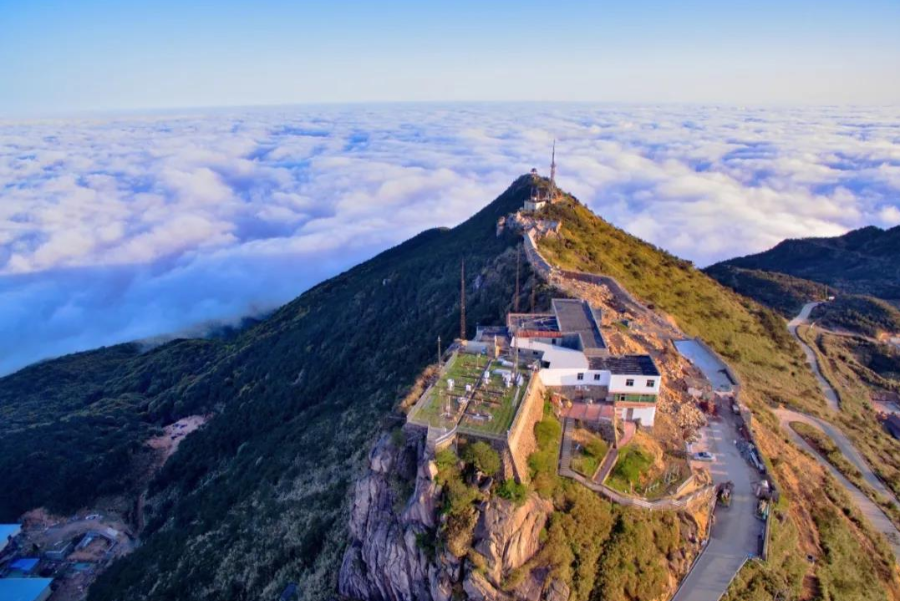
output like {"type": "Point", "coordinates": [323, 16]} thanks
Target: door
{"type": "Point", "coordinates": [629, 414]}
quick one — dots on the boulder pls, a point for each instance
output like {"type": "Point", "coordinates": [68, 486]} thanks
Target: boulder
{"type": "Point", "coordinates": [508, 535]}
{"type": "Point", "coordinates": [557, 590]}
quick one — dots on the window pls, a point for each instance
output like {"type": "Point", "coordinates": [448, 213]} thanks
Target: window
{"type": "Point", "coordinates": [581, 376]}
{"type": "Point", "coordinates": [597, 377]}
{"type": "Point", "coordinates": [629, 382]}
{"type": "Point", "coordinates": [651, 383]}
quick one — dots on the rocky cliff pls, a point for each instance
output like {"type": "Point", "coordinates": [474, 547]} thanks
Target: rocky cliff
{"type": "Point", "coordinates": [394, 554]}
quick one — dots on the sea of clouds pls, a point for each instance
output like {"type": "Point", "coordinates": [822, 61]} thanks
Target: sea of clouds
{"type": "Point", "coordinates": [127, 227]}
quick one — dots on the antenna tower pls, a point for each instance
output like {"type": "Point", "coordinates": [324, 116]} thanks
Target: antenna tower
{"type": "Point", "coordinates": [462, 300]}
{"type": "Point", "coordinates": [553, 172]}
{"type": "Point", "coordinates": [533, 291]}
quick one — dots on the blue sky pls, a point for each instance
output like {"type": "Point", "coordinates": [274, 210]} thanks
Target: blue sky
{"type": "Point", "coordinates": [60, 57]}
{"type": "Point", "coordinates": [140, 196]}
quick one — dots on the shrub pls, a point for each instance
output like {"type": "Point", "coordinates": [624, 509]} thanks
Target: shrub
{"type": "Point", "coordinates": [483, 457]}
{"type": "Point", "coordinates": [513, 491]}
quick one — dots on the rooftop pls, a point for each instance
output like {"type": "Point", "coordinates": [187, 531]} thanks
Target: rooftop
{"type": "Point", "coordinates": [533, 324]}
{"type": "Point", "coordinates": [25, 564]}
{"type": "Point", "coordinates": [23, 589]}
{"type": "Point", "coordinates": [576, 316]}
{"type": "Point", "coordinates": [625, 365]}
{"type": "Point", "coordinates": [7, 530]}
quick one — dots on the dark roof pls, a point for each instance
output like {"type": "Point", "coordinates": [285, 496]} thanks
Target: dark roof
{"type": "Point", "coordinates": [625, 365]}
{"type": "Point", "coordinates": [533, 322]}
{"type": "Point", "coordinates": [577, 317]}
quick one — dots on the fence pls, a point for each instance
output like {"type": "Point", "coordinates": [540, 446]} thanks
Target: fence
{"type": "Point", "coordinates": [613, 495]}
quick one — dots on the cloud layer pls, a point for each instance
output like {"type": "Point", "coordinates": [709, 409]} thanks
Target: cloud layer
{"type": "Point", "coordinates": [119, 228]}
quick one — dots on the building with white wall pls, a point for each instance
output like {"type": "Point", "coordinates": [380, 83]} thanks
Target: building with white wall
{"type": "Point", "coordinates": [571, 355]}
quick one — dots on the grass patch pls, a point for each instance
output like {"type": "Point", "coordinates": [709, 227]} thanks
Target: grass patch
{"type": "Point", "coordinates": [591, 451]}
{"type": "Point", "coordinates": [633, 463]}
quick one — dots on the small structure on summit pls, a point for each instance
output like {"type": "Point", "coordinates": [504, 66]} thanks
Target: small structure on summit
{"type": "Point", "coordinates": [540, 195]}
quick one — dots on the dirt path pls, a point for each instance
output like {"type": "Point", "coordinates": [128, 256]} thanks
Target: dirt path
{"type": "Point", "coordinates": [867, 507]}
{"type": "Point", "coordinates": [803, 317]}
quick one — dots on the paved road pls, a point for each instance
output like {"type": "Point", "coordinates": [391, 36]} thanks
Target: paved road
{"type": "Point", "coordinates": [736, 529]}
{"type": "Point", "coordinates": [867, 507]}
{"type": "Point", "coordinates": [830, 395]}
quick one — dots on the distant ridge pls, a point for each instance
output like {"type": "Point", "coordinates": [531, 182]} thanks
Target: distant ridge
{"type": "Point", "coordinates": [864, 261]}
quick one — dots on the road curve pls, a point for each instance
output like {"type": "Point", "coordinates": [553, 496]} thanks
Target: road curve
{"type": "Point", "coordinates": [830, 395]}
{"type": "Point", "coordinates": [867, 507]}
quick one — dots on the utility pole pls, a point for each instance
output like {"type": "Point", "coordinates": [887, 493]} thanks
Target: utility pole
{"type": "Point", "coordinates": [439, 350]}
{"type": "Point", "coordinates": [518, 261]}
{"type": "Point", "coordinates": [462, 300]}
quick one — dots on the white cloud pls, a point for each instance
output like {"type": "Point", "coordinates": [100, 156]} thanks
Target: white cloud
{"type": "Point", "coordinates": [132, 226]}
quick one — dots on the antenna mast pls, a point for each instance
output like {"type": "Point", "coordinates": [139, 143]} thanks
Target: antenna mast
{"type": "Point", "coordinates": [533, 290]}
{"type": "Point", "coordinates": [553, 172]}
{"type": "Point", "coordinates": [518, 260]}
{"type": "Point", "coordinates": [462, 300]}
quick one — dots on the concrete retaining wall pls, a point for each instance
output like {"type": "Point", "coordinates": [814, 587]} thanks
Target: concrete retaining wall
{"type": "Point", "coordinates": [521, 440]}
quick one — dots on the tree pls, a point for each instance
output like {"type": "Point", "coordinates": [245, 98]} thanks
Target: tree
{"type": "Point", "coordinates": [483, 457]}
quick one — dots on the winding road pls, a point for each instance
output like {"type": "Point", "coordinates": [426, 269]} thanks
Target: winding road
{"type": "Point", "coordinates": [867, 507]}
{"type": "Point", "coordinates": [802, 318]}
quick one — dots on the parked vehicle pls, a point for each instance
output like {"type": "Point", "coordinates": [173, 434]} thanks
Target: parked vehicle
{"type": "Point", "coordinates": [723, 493]}
{"type": "Point", "coordinates": [703, 456]}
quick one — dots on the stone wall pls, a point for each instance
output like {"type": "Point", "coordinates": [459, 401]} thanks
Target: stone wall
{"type": "Point", "coordinates": [521, 440]}
{"type": "Point", "coordinates": [538, 263]}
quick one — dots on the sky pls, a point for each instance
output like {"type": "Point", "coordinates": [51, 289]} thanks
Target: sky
{"type": "Point", "coordinates": [164, 165]}
{"type": "Point", "coordinates": [90, 55]}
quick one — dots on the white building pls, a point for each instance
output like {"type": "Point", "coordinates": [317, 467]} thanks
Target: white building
{"type": "Point", "coordinates": [572, 355]}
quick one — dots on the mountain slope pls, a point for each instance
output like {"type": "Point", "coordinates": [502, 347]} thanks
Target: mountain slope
{"type": "Point", "coordinates": [813, 516]}
{"type": "Point", "coordinates": [864, 261]}
{"type": "Point", "coordinates": [781, 292]}
{"type": "Point", "coordinates": [255, 499]}
{"type": "Point", "coordinates": [72, 427]}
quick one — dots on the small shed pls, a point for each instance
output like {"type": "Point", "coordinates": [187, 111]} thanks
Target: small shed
{"type": "Point", "coordinates": [25, 565]}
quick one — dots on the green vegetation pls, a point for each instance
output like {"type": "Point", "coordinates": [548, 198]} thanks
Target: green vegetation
{"type": "Point", "coordinates": [464, 369]}
{"type": "Point", "coordinates": [753, 338]}
{"type": "Point", "coordinates": [512, 491]}
{"type": "Point", "coordinates": [258, 497]}
{"type": "Point", "coordinates": [856, 367]}
{"type": "Point", "coordinates": [592, 450]}
{"type": "Point", "coordinates": [840, 578]}
{"type": "Point", "coordinates": [600, 550]}
{"type": "Point", "coordinates": [756, 343]}
{"type": "Point", "coordinates": [492, 406]}
{"type": "Point", "coordinates": [632, 464]}
{"type": "Point", "coordinates": [72, 428]}
{"type": "Point", "coordinates": [458, 507]}
{"type": "Point", "coordinates": [483, 457]}
{"type": "Point", "coordinates": [627, 571]}
{"type": "Point", "coordinates": [543, 462]}
{"type": "Point", "coordinates": [781, 292]}
{"type": "Point", "coordinates": [864, 261]}
{"type": "Point", "coordinates": [864, 315]}
{"type": "Point", "coordinates": [829, 450]}
{"type": "Point", "coordinates": [826, 447]}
